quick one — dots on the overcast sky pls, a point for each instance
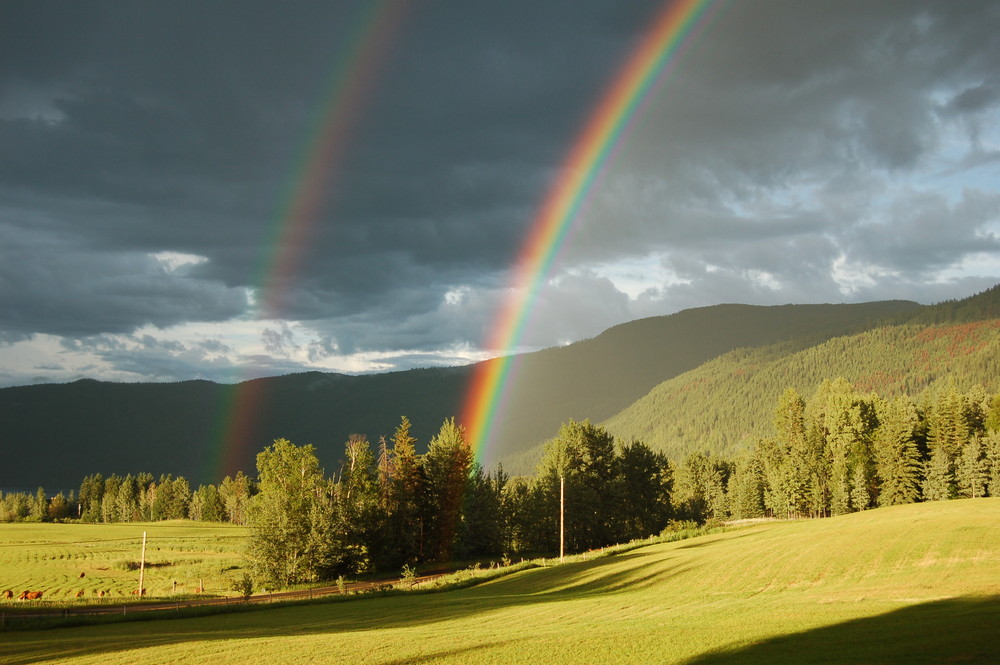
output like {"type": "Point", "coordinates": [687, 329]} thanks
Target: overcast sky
{"type": "Point", "coordinates": [800, 152]}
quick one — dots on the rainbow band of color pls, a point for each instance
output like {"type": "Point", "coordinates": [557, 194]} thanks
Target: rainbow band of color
{"type": "Point", "coordinates": [644, 71]}
{"type": "Point", "coordinates": [298, 212]}
{"type": "Point", "coordinates": [308, 188]}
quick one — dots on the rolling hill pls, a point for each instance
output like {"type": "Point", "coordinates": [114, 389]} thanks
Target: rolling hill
{"type": "Point", "coordinates": [53, 435]}
{"type": "Point", "coordinates": [729, 402]}
{"type": "Point", "coordinates": [908, 584]}
{"type": "Point", "coordinates": [726, 403]}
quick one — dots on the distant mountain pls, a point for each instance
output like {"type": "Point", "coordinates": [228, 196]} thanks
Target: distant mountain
{"type": "Point", "coordinates": [54, 434]}
{"type": "Point", "coordinates": [726, 403]}
{"type": "Point", "coordinates": [598, 377]}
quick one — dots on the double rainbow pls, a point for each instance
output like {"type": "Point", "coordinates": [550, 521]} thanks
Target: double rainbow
{"type": "Point", "coordinates": [646, 69]}
{"type": "Point", "coordinates": [354, 72]}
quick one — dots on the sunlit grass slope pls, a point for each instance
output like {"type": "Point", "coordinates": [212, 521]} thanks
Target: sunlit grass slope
{"type": "Point", "coordinates": [52, 557]}
{"type": "Point", "coordinates": [913, 584]}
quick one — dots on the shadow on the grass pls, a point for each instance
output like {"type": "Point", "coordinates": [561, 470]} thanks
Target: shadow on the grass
{"type": "Point", "coordinates": [957, 630]}
{"type": "Point", "coordinates": [960, 630]}
{"type": "Point", "coordinates": [571, 580]}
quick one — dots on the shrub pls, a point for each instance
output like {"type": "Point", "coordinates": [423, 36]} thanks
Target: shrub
{"type": "Point", "coordinates": [243, 585]}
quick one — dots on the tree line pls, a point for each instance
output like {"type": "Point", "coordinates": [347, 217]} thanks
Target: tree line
{"type": "Point", "coordinates": [843, 450]}
{"type": "Point", "coordinates": [389, 507]}
{"type": "Point", "coordinates": [138, 498]}
{"type": "Point", "coordinates": [840, 450]}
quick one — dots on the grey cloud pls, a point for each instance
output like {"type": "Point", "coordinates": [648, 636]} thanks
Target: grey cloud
{"type": "Point", "coordinates": [49, 286]}
{"type": "Point", "coordinates": [974, 99]}
{"type": "Point", "coordinates": [804, 98]}
{"type": "Point", "coordinates": [279, 342]}
{"type": "Point", "coordinates": [574, 307]}
{"type": "Point", "coordinates": [925, 232]}
{"type": "Point", "coordinates": [790, 134]}
{"type": "Point", "coordinates": [148, 359]}
{"type": "Point", "coordinates": [196, 128]}
{"type": "Point", "coordinates": [429, 328]}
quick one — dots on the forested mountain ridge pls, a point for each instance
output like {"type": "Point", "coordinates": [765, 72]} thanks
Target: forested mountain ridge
{"type": "Point", "coordinates": [52, 434]}
{"type": "Point", "coordinates": [725, 404]}
{"type": "Point", "coordinates": [598, 377]}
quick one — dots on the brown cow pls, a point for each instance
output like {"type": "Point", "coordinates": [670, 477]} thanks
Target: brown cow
{"type": "Point", "coordinates": [82, 575]}
{"type": "Point", "coordinates": [79, 594]}
{"type": "Point", "coordinates": [101, 593]}
{"type": "Point", "coordinates": [135, 592]}
{"type": "Point", "coordinates": [30, 595]}
{"type": "Point", "coordinates": [8, 594]}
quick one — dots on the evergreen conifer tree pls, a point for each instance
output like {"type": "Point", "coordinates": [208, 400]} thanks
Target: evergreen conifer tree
{"type": "Point", "coordinates": [939, 477]}
{"type": "Point", "coordinates": [991, 445]}
{"type": "Point", "coordinates": [406, 522]}
{"type": "Point", "coordinates": [897, 460]}
{"type": "Point", "coordinates": [236, 493]}
{"type": "Point", "coordinates": [447, 464]}
{"type": "Point", "coordinates": [971, 469]}
{"type": "Point", "coordinates": [746, 488]}
{"type": "Point", "coordinates": [860, 497]}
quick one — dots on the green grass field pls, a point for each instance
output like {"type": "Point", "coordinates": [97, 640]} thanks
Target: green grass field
{"type": "Point", "coordinates": [912, 584]}
{"type": "Point", "coordinates": [51, 558]}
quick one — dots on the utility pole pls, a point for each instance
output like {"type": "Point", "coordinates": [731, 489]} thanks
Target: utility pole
{"type": "Point", "coordinates": [142, 563]}
{"type": "Point", "coordinates": [562, 511]}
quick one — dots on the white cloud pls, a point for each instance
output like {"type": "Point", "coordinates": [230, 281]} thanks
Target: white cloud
{"type": "Point", "coordinates": [172, 261]}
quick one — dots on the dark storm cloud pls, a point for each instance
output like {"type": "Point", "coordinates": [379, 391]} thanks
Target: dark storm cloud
{"type": "Point", "coordinates": [803, 117]}
{"type": "Point", "coordinates": [150, 126]}
{"type": "Point", "coordinates": [800, 151]}
{"type": "Point", "coordinates": [50, 284]}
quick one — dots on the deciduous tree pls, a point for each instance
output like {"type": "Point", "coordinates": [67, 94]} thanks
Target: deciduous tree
{"type": "Point", "coordinates": [289, 537]}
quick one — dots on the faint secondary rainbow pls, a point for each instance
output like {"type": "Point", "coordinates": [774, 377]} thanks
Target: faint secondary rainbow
{"type": "Point", "coordinates": [354, 72]}
{"type": "Point", "coordinates": [654, 57]}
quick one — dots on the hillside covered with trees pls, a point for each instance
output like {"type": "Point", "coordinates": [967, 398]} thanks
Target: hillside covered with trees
{"type": "Point", "coordinates": [49, 433]}
{"type": "Point", "coordinates": [723, 405]}
{"type": "Point", "coordinates": [839, 450]}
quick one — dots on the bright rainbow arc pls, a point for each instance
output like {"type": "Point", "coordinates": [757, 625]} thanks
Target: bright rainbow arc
{"type": "Point", "coordinates": [354, 73]}
{"type": "Point", "coordinates": [645, 70]}
{"type": "Point", "coordinates": [306, 191]}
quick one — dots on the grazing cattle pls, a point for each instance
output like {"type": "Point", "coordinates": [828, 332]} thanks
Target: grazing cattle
{"type": "Point", "coordinates": [135, 592]}
{"type": "Point", "coordinates": [8, 594]}
{"type": "Point", "coordinates": [79, 594]}
{"type": "Point", "coordinates": [101, 593]}
{"type": "Point", "coordinates": [30, 595]}
{"type": "Point", "coordinates": [82, 575]}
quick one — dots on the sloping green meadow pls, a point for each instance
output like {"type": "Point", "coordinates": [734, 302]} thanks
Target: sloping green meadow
{"type": "Point", "coordinates": [911, 584]}
{"type": "Point", "coordinates": [52, 557]}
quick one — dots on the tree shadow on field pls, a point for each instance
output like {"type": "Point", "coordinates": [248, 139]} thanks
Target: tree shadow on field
{"type": "Point", "coordinates": [956, 630]}
{"type": "Point", "coordinates": [603, 576]}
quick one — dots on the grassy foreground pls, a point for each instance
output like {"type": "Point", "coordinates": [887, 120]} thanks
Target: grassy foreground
{"type": "Point", "coordinates": [51, 558]}
{"type": "Point", "coordinates": [912, 584]}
